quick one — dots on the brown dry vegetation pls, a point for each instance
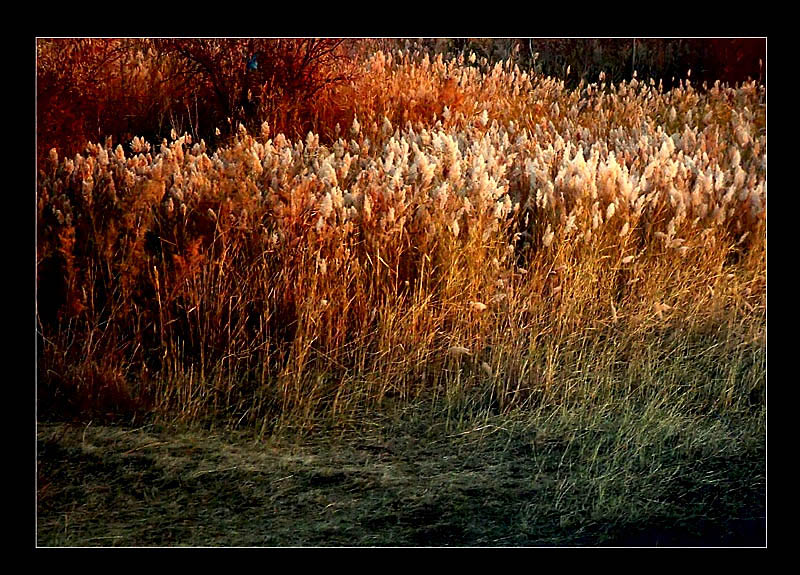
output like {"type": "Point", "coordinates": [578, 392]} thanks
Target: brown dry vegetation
{"type": "Point", "coordinates": [457, 234]}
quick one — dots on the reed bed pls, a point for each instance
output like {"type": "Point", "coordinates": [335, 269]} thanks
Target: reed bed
{"type": "Point", "coordinates": [468, 235]}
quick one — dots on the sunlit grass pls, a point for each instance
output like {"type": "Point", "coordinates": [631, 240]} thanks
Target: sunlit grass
{"type": "Point", "coordinates": [588, 245]}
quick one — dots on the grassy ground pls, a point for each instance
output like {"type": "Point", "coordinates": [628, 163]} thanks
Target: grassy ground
{"type": "Point", "coordinates": [642, 477]}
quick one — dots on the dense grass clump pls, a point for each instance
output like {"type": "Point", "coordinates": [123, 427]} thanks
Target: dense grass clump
{"type": "Point", "coordinates": [385, 292]}
{"type": "Point", "coordinates": [470, 235]}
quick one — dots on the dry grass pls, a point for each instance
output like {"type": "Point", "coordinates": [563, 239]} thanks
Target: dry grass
{"type": "Point", "coordinates": [570, 278]}
{"type": "Point", "coordinates": [556, 234]}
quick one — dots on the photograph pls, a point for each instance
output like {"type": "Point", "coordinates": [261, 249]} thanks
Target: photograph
{"type": "Point", "coordinates": [395, 292]}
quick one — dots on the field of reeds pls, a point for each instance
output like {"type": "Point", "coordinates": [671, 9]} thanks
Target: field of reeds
{"type": "Point", "coordinates": [481, 245]}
